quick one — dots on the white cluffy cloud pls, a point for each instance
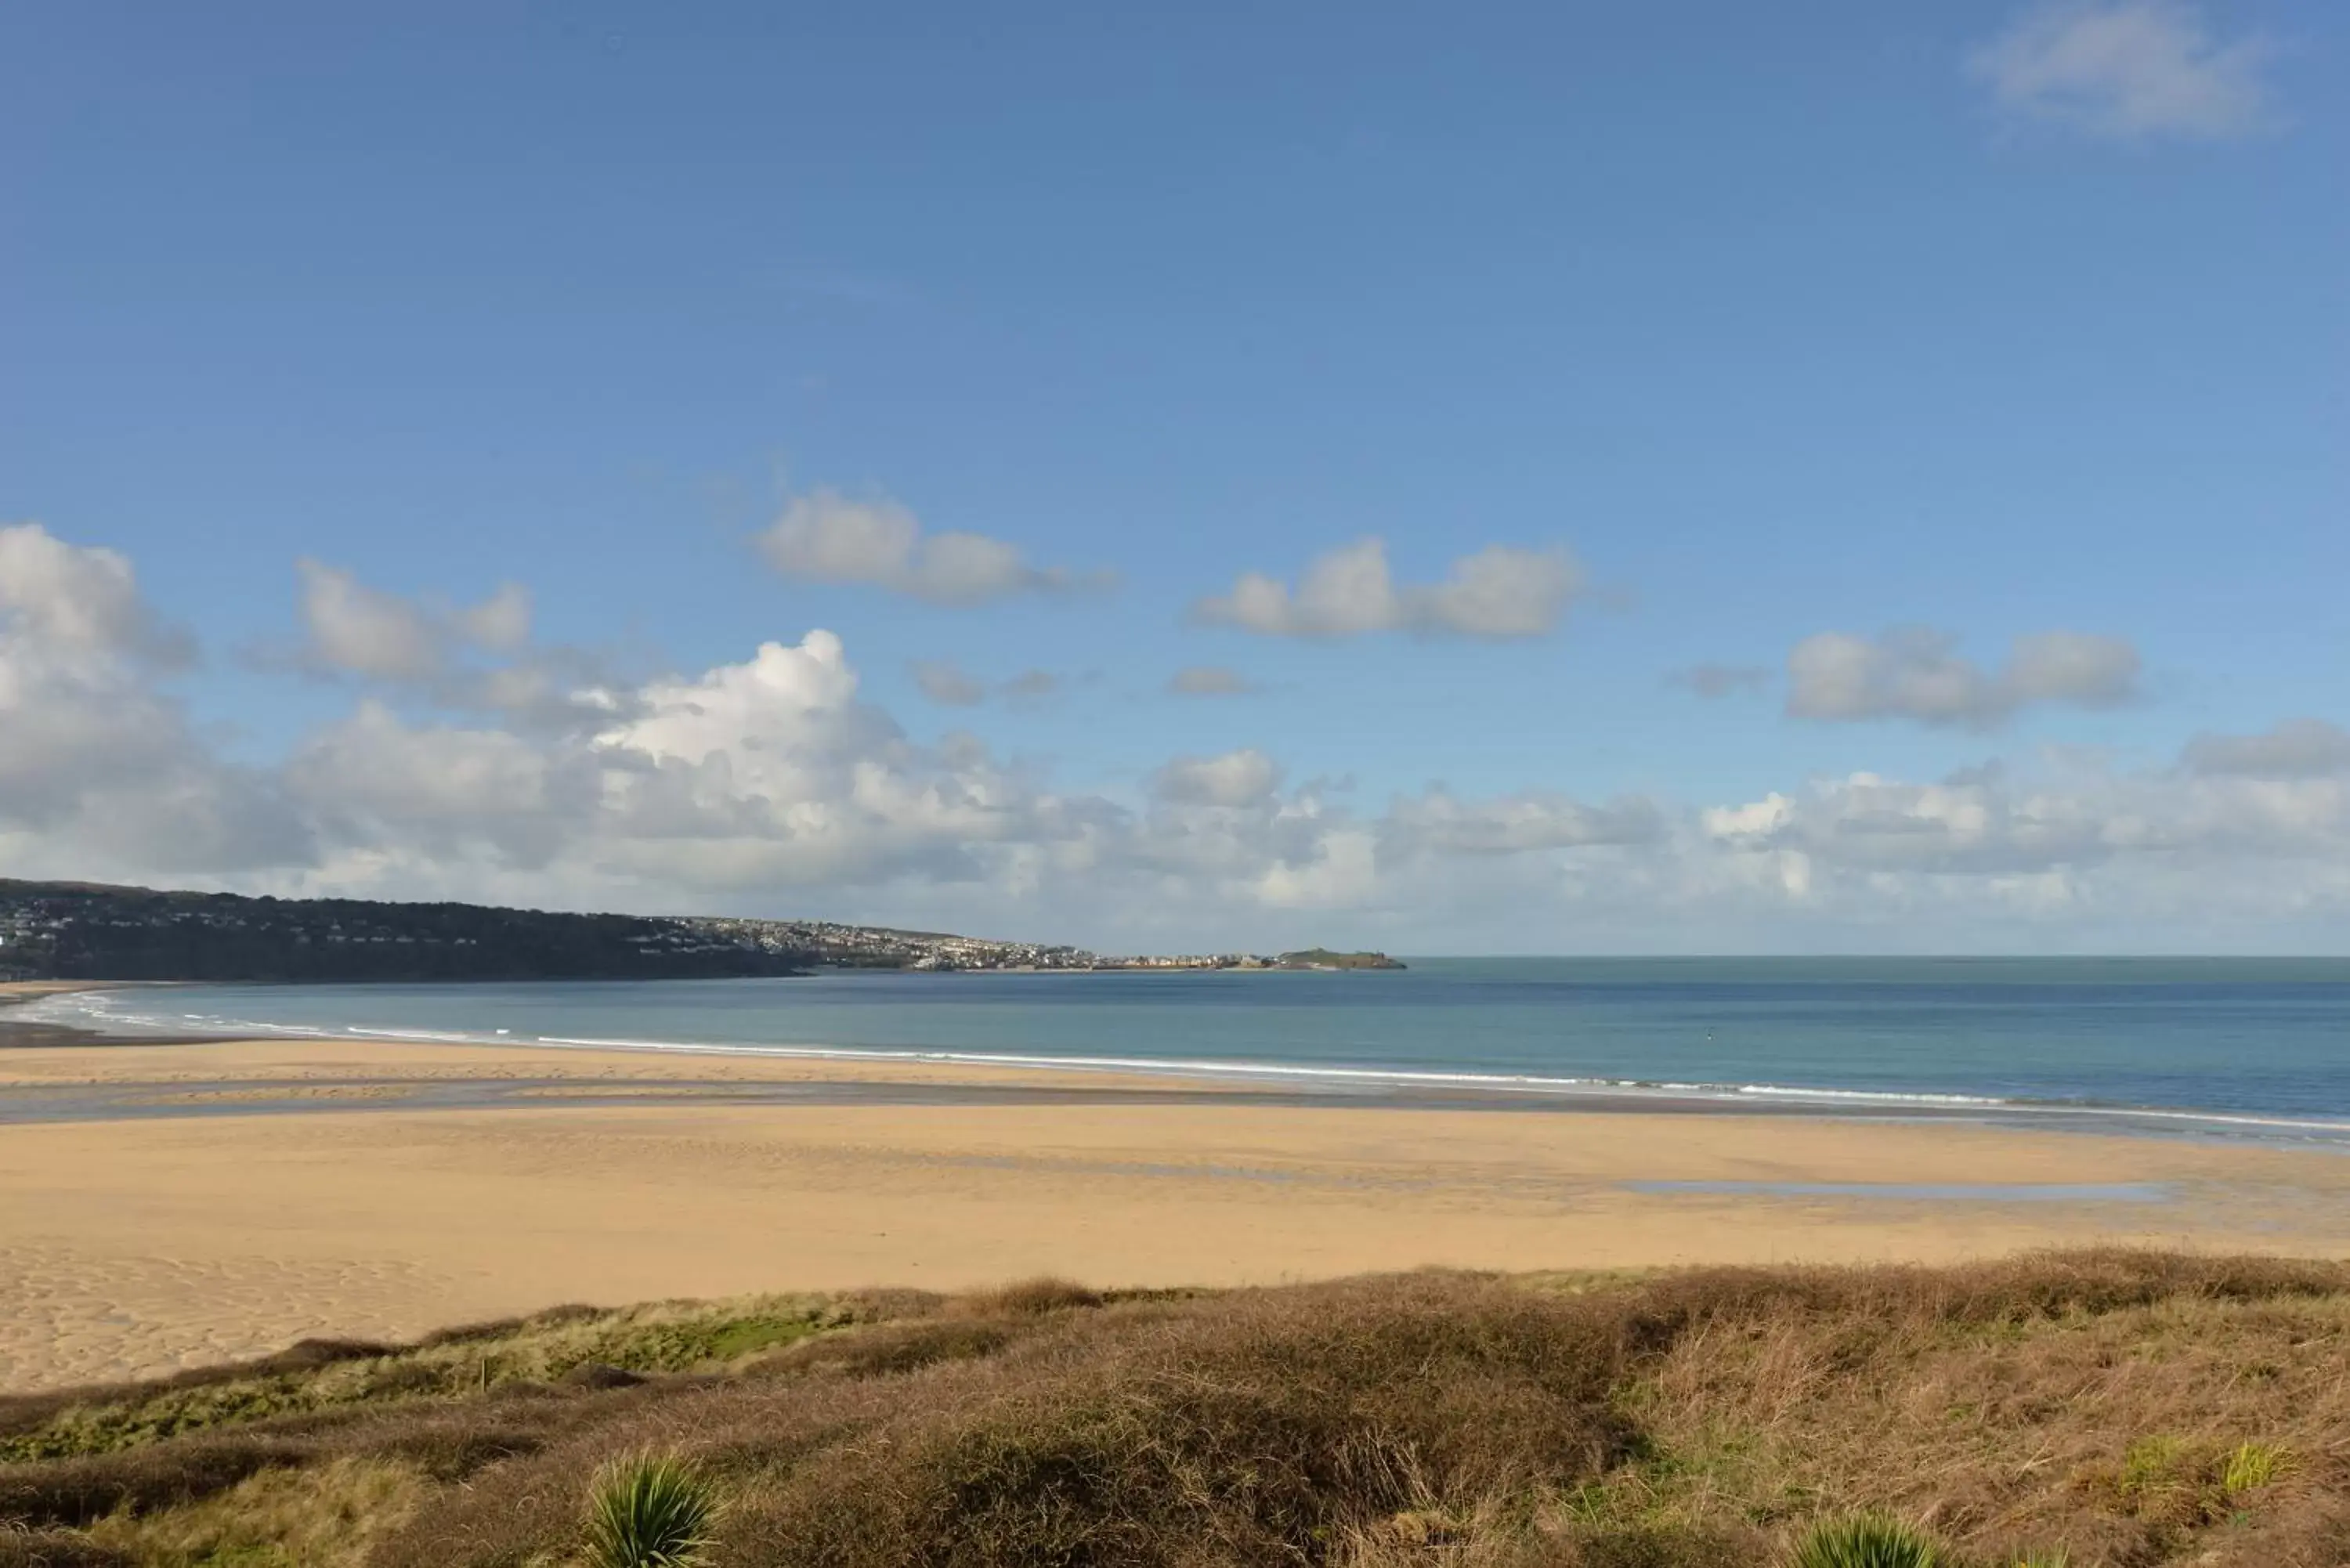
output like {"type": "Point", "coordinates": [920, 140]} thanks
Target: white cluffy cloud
{"type": "Point", "coordinates": [2183, 832]}
{"type": "Point", "coordinates": [1234, 779]}
{"type": "Point", "coordinates": [355, 629]}
{"type": "Point", "coordinates": [475, 657]}
{"type": "Point", "coordinates": [1499, 591]}
{"type": "Point", "coordinates": [2128, 71]}
{"type": "Point", "coordinates": [93, 749]}
{"type": "Point", "coordinates": [74, 603]}
{"type": "Point", "coordinates": [1914, 674]}
{"type": "Point", "coordinates": [827, 537]}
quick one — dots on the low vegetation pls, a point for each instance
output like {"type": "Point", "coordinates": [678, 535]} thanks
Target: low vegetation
{"type": "Point", "coordinates": [649, 1510]}
{"type": "Point", "coordinates": [2072, 1410]}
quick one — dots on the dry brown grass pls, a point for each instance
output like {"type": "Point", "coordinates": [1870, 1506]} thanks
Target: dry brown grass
{"type": "Point", "coordinates": [327, 1516]}
{"type": "Point", "coordinates": [55, 1549]}
{"type": "Point", "coordinates": [2100, 1403]}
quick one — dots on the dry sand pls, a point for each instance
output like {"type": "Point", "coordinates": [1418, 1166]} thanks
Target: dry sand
{"type": "Point", "coordinates": [136, 1244]}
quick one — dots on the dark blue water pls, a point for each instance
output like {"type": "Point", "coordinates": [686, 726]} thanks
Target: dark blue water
{"type": "Point", "coordinates": [2256, 1038]}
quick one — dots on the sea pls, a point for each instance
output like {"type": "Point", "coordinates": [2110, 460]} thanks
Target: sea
{"type": "Point", "coordinates": [2254, 1048]}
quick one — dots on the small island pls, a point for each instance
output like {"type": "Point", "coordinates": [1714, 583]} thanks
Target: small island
{"type": "Point", "coordinates": [1323, 958]}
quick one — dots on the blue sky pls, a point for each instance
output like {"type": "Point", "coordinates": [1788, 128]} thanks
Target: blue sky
{"type": "Point", "coordinates": [1730, 329]}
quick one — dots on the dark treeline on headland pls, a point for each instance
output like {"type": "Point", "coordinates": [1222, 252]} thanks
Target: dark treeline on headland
{"type": "Point", "coordinates": [77, 931]}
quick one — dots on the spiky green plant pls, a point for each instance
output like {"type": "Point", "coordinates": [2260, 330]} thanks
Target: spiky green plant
{"type": "Point", "coordinates": [649, 1510]}
{"type": "Point", "coordinates": [2253, 1465]}
{"type": "Point", "coordinates": [1865, 1541]}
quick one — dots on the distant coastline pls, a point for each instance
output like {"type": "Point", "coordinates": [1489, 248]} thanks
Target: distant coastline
{"type": "Point", "coordinates": [88, 931]}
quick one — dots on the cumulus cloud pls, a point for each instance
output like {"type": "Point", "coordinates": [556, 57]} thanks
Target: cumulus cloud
{"type": "Point", "coordinates": [93, 752]}
{"type": "Point", "coordinates": [1234, 779]}
{"type": "Point", "coordinates": [440, 791]}
{"type": "Point", "coordinates": [80, 602]}
{"type": "Point", "coordinates": [827, 537]}
{"type": "Point", "coordinates": [478, 656]}
{"type": "Point", "coordinates": [1717, 681]}
{"type": "Point", "coordinates": [2239, 807]}
{"type": "Point", "coordinates": [1210, 681]}
{"type": "Point", "coordinates": [1499, 592]}
{"type": "Point", "coordinates": [1913, 673]}
{"type": "Point", "coordinates": [772, 772]}
{"type": "Point", "coordinates": [2128, 70]}
{"type": "Point", "coordinates": [354, 630]}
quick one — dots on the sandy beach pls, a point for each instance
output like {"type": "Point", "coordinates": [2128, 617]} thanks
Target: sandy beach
{"type": "Point", "coordinates": [166, 1205]}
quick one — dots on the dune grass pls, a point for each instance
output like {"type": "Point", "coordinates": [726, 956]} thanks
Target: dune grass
{"type": "Point", "coordinates": [2105, 1410]}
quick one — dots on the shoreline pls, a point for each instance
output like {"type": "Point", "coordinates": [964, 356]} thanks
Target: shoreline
{"type": "Point", "coordinates": [1278, 1082]}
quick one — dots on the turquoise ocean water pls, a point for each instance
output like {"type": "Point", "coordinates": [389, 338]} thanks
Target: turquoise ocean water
{"type": "Point", "coordinates": [2260, 1047]}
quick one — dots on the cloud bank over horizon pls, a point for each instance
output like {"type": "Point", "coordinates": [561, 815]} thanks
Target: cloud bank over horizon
{"type": "Point", "coordinates": [774, 785]}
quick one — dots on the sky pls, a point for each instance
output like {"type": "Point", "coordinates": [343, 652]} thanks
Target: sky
{"type": "Point", "coordinates": [1681, 478]}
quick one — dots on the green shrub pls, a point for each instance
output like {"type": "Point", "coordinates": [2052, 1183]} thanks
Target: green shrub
{"type": "Point", "coordinates": [649, 1510]}
{"type": "Point", "coordinates": [1867, 1541]}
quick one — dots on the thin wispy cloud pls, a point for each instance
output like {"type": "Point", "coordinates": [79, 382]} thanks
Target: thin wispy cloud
{"type": "Point", "coordinates": [943, 682]}
{"type": "Point", "coordinates": [1210, 681]}
{"type": "Point", "coordinates": [1032, 686]}
{"type": "Point", "coordinates": [2129, 70]}
{"type": "Point", "coordinates": [1717, 680]}
{"type": "Point", "coordinates": [948, 684]}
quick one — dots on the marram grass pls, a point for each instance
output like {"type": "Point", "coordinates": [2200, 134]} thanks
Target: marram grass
{"type": "Point", "coordinates": [649, 1510]}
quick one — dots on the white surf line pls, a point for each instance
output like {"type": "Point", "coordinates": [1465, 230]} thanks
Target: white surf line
{"type": "Point", "coordinates": [1526, 1084]}
{"type": "Point", "coordinates": [1511, 1083]}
